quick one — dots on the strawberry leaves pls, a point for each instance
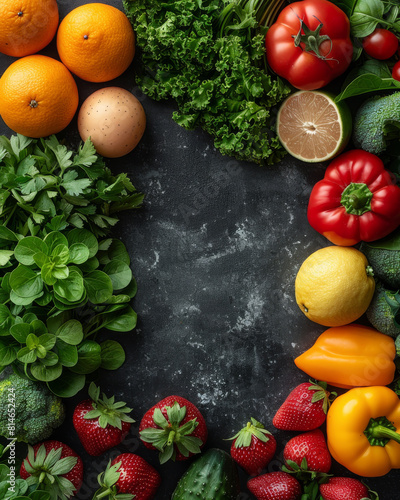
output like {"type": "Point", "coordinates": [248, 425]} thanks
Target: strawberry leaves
{"type": "Point", "coordinates": [107, 481]}
{"type": "Point", "coordinates": [107, 410]}
{"type": "Point", "coordinates": [170, 433]}
{"type": "Point", "coordinates": [253, 428]}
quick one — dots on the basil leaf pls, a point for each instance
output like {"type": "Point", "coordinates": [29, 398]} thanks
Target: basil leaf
{"type": "Point", "coordinates": [25, 282]}
{"type": "Point", "coordinates": [78, 253]}
{"type": "Point", "coordinates": [70, 288]}
{"type": "Point", "coordinates": [70, 332]}
{"type": "Point", "coordinates": [68, 385]}
{"type": "Point", "coordinates": [86, 237]}
{"type": "Point", "coordinates": [366, 16]}
{"type": "Point", "coordinates": [89, 357]}
{"type": "Point", "coordinates": [120, 321]}
{"type": "Point", "coordinates": [119, 273]}
{"type": "Point", "coordinates": [54, 239]}
{"type": "Point", "coordinates": [112, 355]}
{"type": "Point", "coordinates": [45, 373]}
{"type": "Point", "coordinates": [67, 354]}
{"type": "Point", "coordinates": [27, 248]}
{"type": "Point", "coordinates": [98, 286]}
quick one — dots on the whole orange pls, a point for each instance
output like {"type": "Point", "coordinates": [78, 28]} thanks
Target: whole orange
{"type": "Point", "coordinates": [38, 96]}
{"type": "Point", "coordinates": [28, 26]}
{"type": "Point", "coordinates": [96, 42]}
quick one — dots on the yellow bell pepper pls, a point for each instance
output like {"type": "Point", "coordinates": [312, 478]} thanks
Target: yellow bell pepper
{"type": "Point", "coordinates": [350, 356]}
{"type": "Point", "coordinates": [362, 430]}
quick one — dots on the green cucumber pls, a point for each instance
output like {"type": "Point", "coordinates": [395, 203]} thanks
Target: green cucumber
{"type": "Point", "coordinates": [213, 476]}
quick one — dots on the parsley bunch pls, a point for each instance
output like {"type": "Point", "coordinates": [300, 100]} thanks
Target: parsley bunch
{"type": "Point", "coordinates": [209, 56]}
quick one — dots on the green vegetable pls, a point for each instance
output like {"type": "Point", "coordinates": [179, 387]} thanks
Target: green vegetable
{"type": "Point", "coordinates": [384, 311]}
{"type": "Point", "coordinates": [63, 279]}
{"type": "Point", "coordinates": [213, 476]}
{"type": "Point", "coordinates": [377, 123]}
{"type": "Point", "coordinates": [22, 490]}
{"type": "Point", "coordinates": [36, 410]}
{"type": "Point", "coordinates": [209, 57]}
{"type": "Point", "coordinates": [384, 257]}
{"type": "Point", "coordinates": [44, 184]}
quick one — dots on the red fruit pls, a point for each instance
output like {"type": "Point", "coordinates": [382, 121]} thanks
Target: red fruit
{"type": "Point", "coordinates": [128, 474]}
{"type": "Point", "coordinates": [253, 447]}
{"type": "Point", "coordinates": [175, 427]}
{"type": "Point", "coordinates": [343, 488]}
{"type": "Point", "coordinates": [275, 486]}
{"type": "Point", "coordinates": [101, 423]}
{"type": "Point", "coordinates": [305, 408]}
{"type": "Point", "coordinates": [57, 460]}
{"type": "Point", "coordinates": [308, 451]}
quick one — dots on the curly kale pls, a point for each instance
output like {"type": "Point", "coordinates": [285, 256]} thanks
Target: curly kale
{"type": "Point", "coordinates": [211, 61]}
{"type": "Point", "coordinates": [29, 412]}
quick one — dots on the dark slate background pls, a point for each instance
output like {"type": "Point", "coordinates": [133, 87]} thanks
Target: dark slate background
{"type": "Point", "coordinates": [215, 250]}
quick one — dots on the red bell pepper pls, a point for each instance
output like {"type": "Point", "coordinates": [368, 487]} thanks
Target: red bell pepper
{"type": "Point", "coordinates": [357, 200]}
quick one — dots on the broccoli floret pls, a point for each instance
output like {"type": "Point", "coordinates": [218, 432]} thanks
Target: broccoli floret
{"type": "Point", "coordinates": [34, 409]}
{"type": "Point", "coordinates": [380, 314]}
{"type": "Point", "coordinates": [377, 121]}
{"type": "Point", "coordinates": [385, 263]}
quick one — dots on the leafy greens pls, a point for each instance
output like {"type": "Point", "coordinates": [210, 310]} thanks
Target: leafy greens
{"type": "Point", "coordinates": [209, 57]}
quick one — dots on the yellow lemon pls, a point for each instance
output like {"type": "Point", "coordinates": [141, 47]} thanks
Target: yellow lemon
{"type": "Point", "coordinates": [334, 285]}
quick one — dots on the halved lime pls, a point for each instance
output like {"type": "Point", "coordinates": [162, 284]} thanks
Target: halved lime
{"type": "Point", "coordinates": [312, 127]}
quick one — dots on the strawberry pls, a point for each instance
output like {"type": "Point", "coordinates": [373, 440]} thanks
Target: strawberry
{"type": "Point", "coordinates": [343, 488]}
{"type": "Point", "coordinates": [308, 451]}
{"type": "Point", "coordinates": [275, 486]}
{"type": "Point", "coordinates": [101, 423]}
{"type": "Point", "coordinates": [128, 476]}
{"type": "Point", "coordinates": [55, 468]}
{"type": "Point", "coordinates": [305, 407]}
{"type": "Point", "coordinates": [253, 447]}
{"type": "Point", "coordinates": [175, 427]}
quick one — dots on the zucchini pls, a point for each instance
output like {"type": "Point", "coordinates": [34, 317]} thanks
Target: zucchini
{"type": "Point", "coordinates": [213, 476]}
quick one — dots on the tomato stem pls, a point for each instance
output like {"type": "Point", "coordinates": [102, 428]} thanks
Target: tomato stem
{"type": "Point", "coordinates": [311, 41]}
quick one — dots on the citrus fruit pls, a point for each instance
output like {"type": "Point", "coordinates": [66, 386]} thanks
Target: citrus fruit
{"type": "Point", "coordinates": [38, 96]}
{"type": "Point", "coordinates": [312, 127]}
{"type": "Point", "coordinates": [114, 120]}
{"type": "Point", "coordinates": [96, 42]}
{"type": "Point", "coordinates": [28, 26]}
{"type": "Point", "coordinates": [334, 285]}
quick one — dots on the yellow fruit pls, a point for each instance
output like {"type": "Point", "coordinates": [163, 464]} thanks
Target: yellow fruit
{"type": "Point", "coordinates": [334, 286]}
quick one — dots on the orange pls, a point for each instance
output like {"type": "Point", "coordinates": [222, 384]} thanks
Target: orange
{"type": "Point", "coordinates": [96, 42]}
{"type": "Point", "coordinates": [28, 26]}
{"type": "Point", "coordinates": [38, 96]}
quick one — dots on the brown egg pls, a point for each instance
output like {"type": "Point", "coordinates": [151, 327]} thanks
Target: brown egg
{"type": "Point", "coordinates": [114, 120]}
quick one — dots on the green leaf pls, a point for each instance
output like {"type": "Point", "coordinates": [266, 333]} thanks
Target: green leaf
{"type": "Point", "coordinates": [366, 16]}
{"type": "Point", "coordinates": [98, 286]}
{"type": "Point", "coordinates": [78, 253]}
{"type": "Point", "coordinates": [20, 332]}
{"type": "Point", "coordinates": [68, 384]}
{"type": "Point", "coordinates": [53, 239]}
{"type": "Point", "coordinates": [390, 242]}
{"type": "Point", "coordinates": [8, 354]}
{"type": "Point", "coordinates": [71, 288]}
{"type": "Point", "coordinates": [25, 282]}
{"type": "Point", "coordinates": [26, 355]}
{"type": "Point", "coordinates": [67, 354]}
{"type": "Point", "coordinates": [70, 332]}
{"type": "Point", "coordinates": [27, 248]}
{"type": "Point", "coordinates": [112, 355]}
{"type": "Point", "coordinates": [45, 373]}
{"type": "Point", "coordinates": [119, 273]}
{"type": "Point", "coordinates": [89, 357]}
{"type": "Point", "coordinates": [365, 83]}
{"type": "Point", "coordinates": [86, 237]}
{"type": "Point", "coordinates": [120, 321]}
{"type": "Point", "coordinates": [5, 256]}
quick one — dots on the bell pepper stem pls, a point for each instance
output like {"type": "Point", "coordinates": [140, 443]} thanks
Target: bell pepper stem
{"type": "Point", "coordinates": [380, 431]}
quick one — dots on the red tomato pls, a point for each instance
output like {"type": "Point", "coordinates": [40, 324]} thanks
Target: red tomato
{"type": "Point", "coordinates": [381, 44]}
{"type": "Point", "coordinates": [396, 71]}
{"type": "Point", "coordinates": [309, 44]}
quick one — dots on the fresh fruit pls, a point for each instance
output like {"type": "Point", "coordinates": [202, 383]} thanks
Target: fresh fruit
{"type": "Point", "coordinates": [343, 488]}
{"type": "Point", "coordinates": [175, 427]}
{"type": "Point", "coordinates": [27, 27]}
{"type": "Point", "coordinates": [305, 408]}
{"type": "Point", "coordinates": [212, 476]}
{"type": "Point", "coordinates": [253, 447]}
{"type": "Point", "coordinates": [101, 422]}
{"type": "Point", "coordinates": [381, 44]}
{"type": "Point", "coordinates": [38, 96]}
{"type": "Point", "coordinates": [128, 474]}
{"type": "Point", "coordinates": [308, 451]}
{"type": "Point", "coordinates": [349, 356]}
{"type": "Point", "coordinates": [54, 467]}
{"type": "Point", "coordinates": [96, 42]}
{"type": "Point", "coordinates": [275, 486]}
{"type": "Point", "coordinates": [114, 120]}
{"type": "Point", "coordinates": [334, 285]}
{"type": "Point", "coordinates": [312, 127]}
